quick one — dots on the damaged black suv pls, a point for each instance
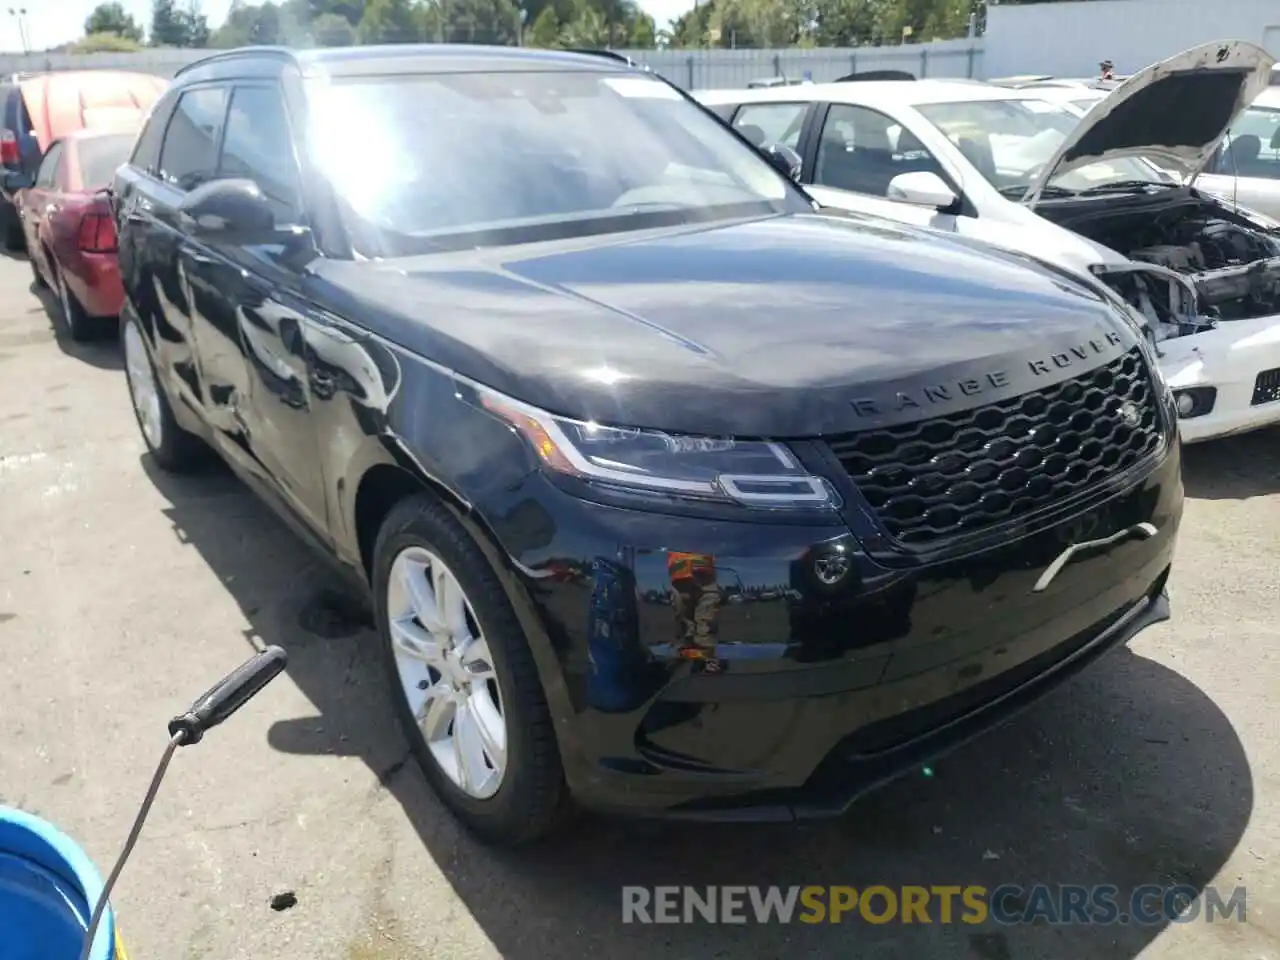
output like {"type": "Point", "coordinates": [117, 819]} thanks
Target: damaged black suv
{"type": "Point", "coordinates": [671, 494]}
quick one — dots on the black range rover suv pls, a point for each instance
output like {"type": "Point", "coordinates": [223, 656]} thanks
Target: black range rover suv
{"type": "Point", "coordinates": [671, 494]}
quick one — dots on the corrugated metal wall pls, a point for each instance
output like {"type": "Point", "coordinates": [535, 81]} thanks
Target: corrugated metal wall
{"type": "Point", "coordinates": [691, 69]}
{"type": "Point", "coordinates": [1069, 39]}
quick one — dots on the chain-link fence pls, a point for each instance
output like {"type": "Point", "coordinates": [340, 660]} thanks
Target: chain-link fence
{"type": "Point", "coordinates": [691, 69]}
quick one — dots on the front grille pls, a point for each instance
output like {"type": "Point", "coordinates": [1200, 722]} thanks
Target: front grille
{"type": "Point", "coordinates": [1266, 389]}
{"type": "Point", "coordinates": [955, 474]}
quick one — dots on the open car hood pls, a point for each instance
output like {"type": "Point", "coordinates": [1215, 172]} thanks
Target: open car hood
{"type": "Point", "coordinates": [64, 102]}
{"type": "Point", "coordinates": [1174, 113]}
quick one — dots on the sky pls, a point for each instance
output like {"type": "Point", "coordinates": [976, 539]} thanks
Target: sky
{"type": "Point", "coordinates": [52, 22]}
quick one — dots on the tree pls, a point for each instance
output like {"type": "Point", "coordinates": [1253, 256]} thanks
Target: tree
{"type": "Point", "coordinates": [332, 30]}
{"type": "Point", "coordinates": [112, 18]}
{"type": "Point", "coordinates": [545, 31]}
{"type": "Point", "coordinates": [172, 26]}
{"type": "Point", "coordinates": [472, 21]}
{"type": "Point", "coordinates": [166, 25]}
{"type": "Point", "coordinates": [105, 43]}
{"type": "Point", "coordinates": [195, 24]}
{"type": "Point", "coordinates": [644, 35]}
{"type": "Point", "coordinates": [390, 21]}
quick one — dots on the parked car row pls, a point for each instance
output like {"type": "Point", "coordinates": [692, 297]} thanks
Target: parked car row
{"type": "Point", "coordinates": [1066, 182]}
{"type": "Point", "coordinates": [556, 345]}
{"type": "Point", "coordinates": [64, 135]}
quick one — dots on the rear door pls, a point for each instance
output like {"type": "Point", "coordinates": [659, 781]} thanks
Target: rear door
{"type": "Point", "coordinates": [177, 151]}
{"type": "Point", "coordinates": [38, 202]}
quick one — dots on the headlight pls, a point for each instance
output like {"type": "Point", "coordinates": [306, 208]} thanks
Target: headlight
{"type": "Point", "coordinates": [754, 473]}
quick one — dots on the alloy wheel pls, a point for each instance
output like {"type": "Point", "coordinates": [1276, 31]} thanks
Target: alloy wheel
{"type": "Point", "coordinates": [446, 672]}
{"type": "Point", "coordinates": [143, 389]}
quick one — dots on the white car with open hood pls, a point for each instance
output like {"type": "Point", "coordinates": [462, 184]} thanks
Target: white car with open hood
{"type": "Point", "coordinates": [1111, 195]}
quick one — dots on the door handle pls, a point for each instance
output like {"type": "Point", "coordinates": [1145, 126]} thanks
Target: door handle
{"type": "Point", "coordinates": [201, 258]}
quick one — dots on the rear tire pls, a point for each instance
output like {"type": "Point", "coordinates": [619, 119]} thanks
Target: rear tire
{"type": "Point", "coordinates": [79, 325]}
{"type": "Point", "coordinates": [519, 793]}
{"type": "Point", "coordinates": [173, 449]}
{"type": "Point", "coordinates": [14, 238]}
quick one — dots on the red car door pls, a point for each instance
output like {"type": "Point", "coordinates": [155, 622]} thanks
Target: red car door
{"type": "Point", "coordinates": [37, 203]}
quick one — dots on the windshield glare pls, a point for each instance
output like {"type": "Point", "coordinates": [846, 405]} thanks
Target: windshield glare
{"type": "Point", "coordinates": [1010, 141]}
{"type": "Point", "coordinates": [428, 162]}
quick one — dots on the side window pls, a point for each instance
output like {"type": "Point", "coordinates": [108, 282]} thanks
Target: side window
{"type": "Point", "coordinates": [47, 175]}
{"type": "Point", "coordinates": [862, 150]}
{"type": "Point", "coordinates": [1253, 147]}
{"type": "Point", "coordinates": [258, 146]}
{"type": "Point", "coordinates": [766, 123]}
{"type": "Point", "coordinates": [189, 156]}
{"type": "Point", "coordinates": [722, 110]}
{"type": "Point", "coordinates": [146, 152]}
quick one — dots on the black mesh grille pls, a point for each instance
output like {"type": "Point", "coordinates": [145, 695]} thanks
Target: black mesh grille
{"type": "Point", "coordinates": [1266, 388]}
{"type": "Point", "coordinates": [950, 475]}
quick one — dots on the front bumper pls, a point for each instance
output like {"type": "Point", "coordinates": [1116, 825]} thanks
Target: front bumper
{"type": "Point", "coordinates": [804, 693]}
{"type": "Point", "coordinates": [1228, 359]}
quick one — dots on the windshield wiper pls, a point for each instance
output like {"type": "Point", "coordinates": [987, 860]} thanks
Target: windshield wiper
{"type": "Point", "coordinates": [1123, 186]}
{"type": "Point", "coordinates": [1016, 191]}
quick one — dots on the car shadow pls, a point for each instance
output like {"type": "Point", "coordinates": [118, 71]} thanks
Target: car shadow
{"type": "Point", "coordinates": [1234, 468]}
{"type": "Point", "coordinates": [1129, 775]}
{"type": "Point", "coordinates": [103, 351]}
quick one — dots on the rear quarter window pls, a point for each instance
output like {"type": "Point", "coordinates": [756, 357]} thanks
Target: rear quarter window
{"type": "Point", "coordinates": [146, 151]}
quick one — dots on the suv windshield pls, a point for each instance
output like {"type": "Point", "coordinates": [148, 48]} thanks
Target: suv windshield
{"type": "Point", "coordinates": [1010, 141]}
{"type": "Point", "coordinates": [442, 161]}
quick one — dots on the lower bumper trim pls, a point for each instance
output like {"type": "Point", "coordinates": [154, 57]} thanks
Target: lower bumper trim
{"type": "Point", "coordinates": [845, 776]}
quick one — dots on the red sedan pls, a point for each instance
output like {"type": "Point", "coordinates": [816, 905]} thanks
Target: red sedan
{"type": "Point", "coordinates": [71, 238]}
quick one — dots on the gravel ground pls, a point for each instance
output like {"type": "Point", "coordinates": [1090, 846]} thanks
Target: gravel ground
{"type": "Point", "coordinates": [123, 593]}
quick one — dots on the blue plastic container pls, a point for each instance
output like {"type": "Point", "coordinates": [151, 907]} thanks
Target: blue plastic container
{"type": "Point", "coordinates": [48, 887]}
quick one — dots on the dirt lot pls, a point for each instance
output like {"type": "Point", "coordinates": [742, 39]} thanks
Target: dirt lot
{"type": "Point", "coordinates": [124, 593]}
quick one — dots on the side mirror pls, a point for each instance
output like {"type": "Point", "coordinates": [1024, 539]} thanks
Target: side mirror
{"type": "Point", "coordinates": [786, 160]}
{"type": "Point", "coordinates": [228, 211]}
{"type": "Point", "coordinates": [923, 188]}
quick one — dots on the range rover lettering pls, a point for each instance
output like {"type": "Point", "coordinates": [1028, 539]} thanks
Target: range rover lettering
{"type": "Point", "coordinates": [672, 495]}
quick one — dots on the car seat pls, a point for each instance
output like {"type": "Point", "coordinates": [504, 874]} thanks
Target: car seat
{"type": "Point", "coordinates": [753, 134]}
{"type": "Point", "coordinates": [1242, 154]}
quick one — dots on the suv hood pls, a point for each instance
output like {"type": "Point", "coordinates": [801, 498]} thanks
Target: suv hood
{"type": "Point", "coordinates": [789, 326]}
{"type": "Point", "coordinates": [1174, 113]}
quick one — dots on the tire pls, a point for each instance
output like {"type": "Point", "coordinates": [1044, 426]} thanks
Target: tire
{"type": "Point", "coordinates": [14, 238]}
{"type": "Point", "coordinates": [79, 325]}
{"type": "Point", "coordinates": [530, 799]}
{"type": "Point", "coordinates": [173, 449]}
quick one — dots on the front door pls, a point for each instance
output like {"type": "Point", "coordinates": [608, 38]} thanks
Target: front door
{"type": "Point", "coordinates": [858, 153]}
{"type": "Point", "coordinates": [250, 317]}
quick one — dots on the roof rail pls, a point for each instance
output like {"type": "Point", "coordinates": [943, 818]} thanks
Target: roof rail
{"type": "Point", "coordinates": [283, 53]}
{"type": "Point", "coordinates": [876, 75]}
{"type": "Point", "coordinates": [611, 54]}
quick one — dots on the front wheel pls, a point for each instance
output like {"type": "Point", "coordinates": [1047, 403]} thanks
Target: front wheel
{"type": "Point", "coordinates": [465, 686]}
{"type": "Point", "coordinates": [172, 448]}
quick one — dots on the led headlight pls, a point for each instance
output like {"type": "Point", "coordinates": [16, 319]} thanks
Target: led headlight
{"type": "Point", "coordinates": [754, 473]}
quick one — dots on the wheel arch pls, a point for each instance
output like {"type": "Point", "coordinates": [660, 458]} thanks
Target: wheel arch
{"type": "Point", "coordinates": [379, 486]}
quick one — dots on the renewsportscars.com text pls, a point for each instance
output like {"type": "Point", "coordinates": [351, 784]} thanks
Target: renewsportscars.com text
{"type": "Point", "coordinates": [1063, 904]}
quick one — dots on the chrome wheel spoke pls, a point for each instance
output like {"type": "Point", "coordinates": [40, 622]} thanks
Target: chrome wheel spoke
{"type": "Point", "coordinates": [410, 640]}
{"type": "Point", "coordinates": [422, 597]}
{"type": "Point", "coordinates": [469, 744]}
{"type": "Point", "coordinates": [451, 603]}
{"type": "Point", "coordinates": [490, 727]}
{"type": "Point", "coordinates": [438, 712]}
